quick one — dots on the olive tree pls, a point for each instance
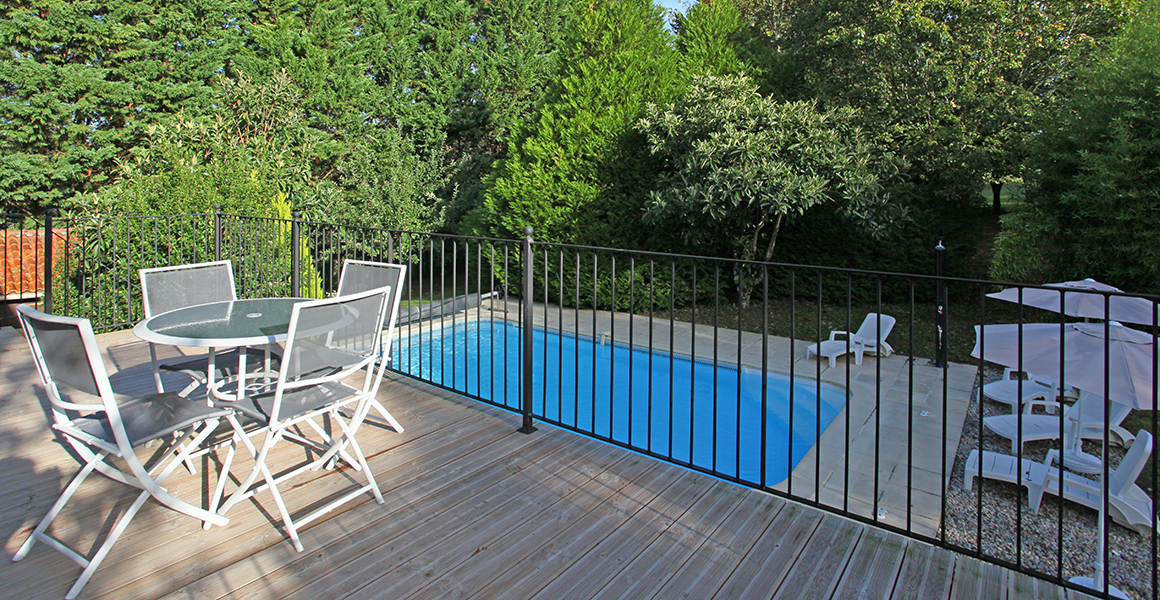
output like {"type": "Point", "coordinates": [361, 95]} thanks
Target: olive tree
{"type": "Point", "coordinates": [738, 164]}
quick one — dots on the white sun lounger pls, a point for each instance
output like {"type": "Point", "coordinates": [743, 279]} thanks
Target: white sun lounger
{"type": "Point", "coordinates": [866, 340]}
{"type": "Point", "coordinates": [1015, 393]}
{"type": "Point", "coordinates": [1130, 506]}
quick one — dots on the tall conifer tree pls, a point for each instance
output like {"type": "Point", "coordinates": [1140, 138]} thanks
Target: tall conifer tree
{"type": "Point", "coordinates": [80, 80]}
{"type": "Point", "coordinates": [580, 173]}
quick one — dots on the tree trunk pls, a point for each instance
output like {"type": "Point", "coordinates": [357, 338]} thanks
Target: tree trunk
{"type": "Point", "coordinates": [996, 187]}
{"type": "Point", "coordinates": [744, 288]}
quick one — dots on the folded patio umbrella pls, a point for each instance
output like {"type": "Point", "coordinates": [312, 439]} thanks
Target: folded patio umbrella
{"type": "Point", "coordinates": [1081, 299]}
{"type": "Point", "coordinates": [1106, 359]}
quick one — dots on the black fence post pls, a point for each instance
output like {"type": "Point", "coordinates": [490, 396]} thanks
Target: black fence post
{"type": "Point", "coordinates": [217, 232]}
{"type": "Point", "coordinates": [940, 261]}
{"type": "Point", "coordinates": [294, 257]}
{"type": "Point", "coordinates": [526, 327]}
{"type": "Point", "coordinates": [48, 215]}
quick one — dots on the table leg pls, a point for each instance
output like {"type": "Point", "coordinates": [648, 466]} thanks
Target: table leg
{"type": "Point", "coordinates": [241, 374]}
{"type": "Point", "coordinates": [210, 374]}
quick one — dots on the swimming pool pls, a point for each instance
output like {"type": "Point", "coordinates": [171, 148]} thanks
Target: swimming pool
{"type": "Point", "coordinates": [688, 410]}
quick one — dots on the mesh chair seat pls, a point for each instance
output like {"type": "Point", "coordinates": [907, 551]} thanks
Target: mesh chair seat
{"type": "Point", "coordinates": [294, 402]}
{"type": "Point", "coordinates": [150, 417]}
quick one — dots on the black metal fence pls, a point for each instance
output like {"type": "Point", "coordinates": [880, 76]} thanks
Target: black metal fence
{"type": "Point", "coordinates": [707, 363]}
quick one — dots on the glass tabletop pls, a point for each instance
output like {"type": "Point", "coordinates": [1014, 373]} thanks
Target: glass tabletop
{"type": "Point", "coordinates": [235, 322]}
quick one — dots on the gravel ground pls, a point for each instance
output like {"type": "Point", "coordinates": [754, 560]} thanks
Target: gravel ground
{"type": "Point", "coordinates": [1007, 520]}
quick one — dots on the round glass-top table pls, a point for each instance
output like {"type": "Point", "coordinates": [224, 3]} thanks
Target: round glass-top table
{"type": "Point", "coordinates": [228, 324]}
{"type": "Point", "coordinates": [221, 324]}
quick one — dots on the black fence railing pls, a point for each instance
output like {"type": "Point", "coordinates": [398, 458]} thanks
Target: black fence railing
{"type": "Point", "coordinates": [729, 368]}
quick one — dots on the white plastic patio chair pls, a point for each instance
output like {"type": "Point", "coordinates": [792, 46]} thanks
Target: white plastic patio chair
{"type": "Point", "coordinates": [866, 340]}
{"type": "Point", "coordinates": [65, 352]}
{"type": "Point", "coordinates": [1087, 414]}
{"type": "Point", "coordinates": [360, 276]}
{"type": "Point", "coordinates": [169, 288]}
{"type": "Point", "coordinates": [328, 340]}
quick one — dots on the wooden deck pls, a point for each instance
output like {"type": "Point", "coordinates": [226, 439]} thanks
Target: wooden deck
{"type": "Point", "coordinates": [473, 509]}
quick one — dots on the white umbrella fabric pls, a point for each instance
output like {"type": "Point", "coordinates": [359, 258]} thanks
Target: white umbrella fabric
{"type": "Point", "coordinates": [1131, 360]}
{"type": "Point", "coordinates": [1131, 356]}
{"type": "Point", "coordinates": [1081, 299]}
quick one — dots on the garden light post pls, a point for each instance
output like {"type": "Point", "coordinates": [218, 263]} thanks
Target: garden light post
{"type": "Point", "coordinates": [940, 262]}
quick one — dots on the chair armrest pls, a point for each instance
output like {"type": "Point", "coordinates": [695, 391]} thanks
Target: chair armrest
{"type": "Point", "coordinates": [834, 335]}
{"type": "Point", "coordinates": [1009, 373]}
{"type": "Point", "coordinates": [1029, 404]}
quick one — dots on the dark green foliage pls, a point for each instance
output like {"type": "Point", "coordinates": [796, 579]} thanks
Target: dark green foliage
{"type": "Point", "coordinates": [514, 52]}
{"type": "Point", "coordinates": [243, 160]}
{"type": "Point", "coordinates": [387, 184]}
{"type": "Point", "coordinates": [1094, 201]}
{"type": "Point", "coordinates": [737, 164]}
{"type": "Point", "coordinates": [579, 174]}
{"type": "Point", "coordinates": [82, 79]}
{"type": "Point", "coordinates": [315, 46]}
{"type": "Point", "coordinates": [715, 39]}
{"type": "Point", "coordinates": [948, 85]}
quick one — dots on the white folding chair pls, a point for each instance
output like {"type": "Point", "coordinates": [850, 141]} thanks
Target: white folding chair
{"type": "Point", "coordinates": [328, 340]}
{"type": "Point", "coordinates": [68, 360]}
{"type": "Point", "coordinates": [169, 288]}
{"type": "Point", "coordinates": [360, 276]}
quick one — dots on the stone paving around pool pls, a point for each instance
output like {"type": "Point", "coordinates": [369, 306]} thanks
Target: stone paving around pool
{"type": "Point", "coordinates": [898, 431]}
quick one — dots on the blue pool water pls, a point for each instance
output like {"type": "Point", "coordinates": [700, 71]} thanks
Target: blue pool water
{"type": "Point", "coordinates": [690, 410]}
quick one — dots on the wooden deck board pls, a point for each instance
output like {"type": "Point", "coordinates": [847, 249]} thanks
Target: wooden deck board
{"type": "Point", "coordinates": [924, 573]}
{"type": "Point", "coordinates": [472, 509]}
{"type": "Point", "coordinates": [873, 569]}
{"type": "Point", "coordinates": [651, 569]}
{"type": "Point", "coordinates": [710, 565]}
{"type": "Point", "coordinates": [763, 568]}
{"type": "Point", "coordinates": [819, 567]}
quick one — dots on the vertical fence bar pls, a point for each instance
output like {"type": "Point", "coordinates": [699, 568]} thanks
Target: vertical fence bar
{"type": "Point", "coordinates": [765, 370]}
{"type": "Point", "coordinates": [295, 231]}
{"type": "Point", "coordinates": [48, 215]}
{"type": "Point", "coordinates": [526, 326]}
{"type": "Point", "coordinates": [217, 232]}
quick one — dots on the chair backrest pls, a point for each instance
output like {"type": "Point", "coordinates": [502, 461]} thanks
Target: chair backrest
{"type": "Point", "coordinates": [330, 339]}
{"type": "Point", "coordinates": [65, 352]}
{"type": "Point", "coordinates": [868, 331]}
{"type": "Point", "coordinates": [1089, 410]}
{"type": "Point", "coordinates": [66, 355]}
{"type": "Point", "coordinates": [362, 275]}
{"type": "Point", "coordinates": [169, 288]}
{"type": "Point", "coordinates": [1133, 463]}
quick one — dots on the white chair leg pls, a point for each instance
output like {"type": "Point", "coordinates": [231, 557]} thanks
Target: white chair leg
{"type": "Point", "coordinates": [220, 488]}
{"type": "Point", "coordinates": [95, 562]}
{"type": "Point", "coordinates": [382, 410]}
{"type": "Point", "coordinates": [58, 505]}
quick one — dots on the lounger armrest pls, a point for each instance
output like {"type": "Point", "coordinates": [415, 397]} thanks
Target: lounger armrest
{"type": "Point", "coordinates": [1009, 373]}
{"type": "Point", "coordinates": [1044, 402]}
{"type": "Point", "coordinates": [834, 335]}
